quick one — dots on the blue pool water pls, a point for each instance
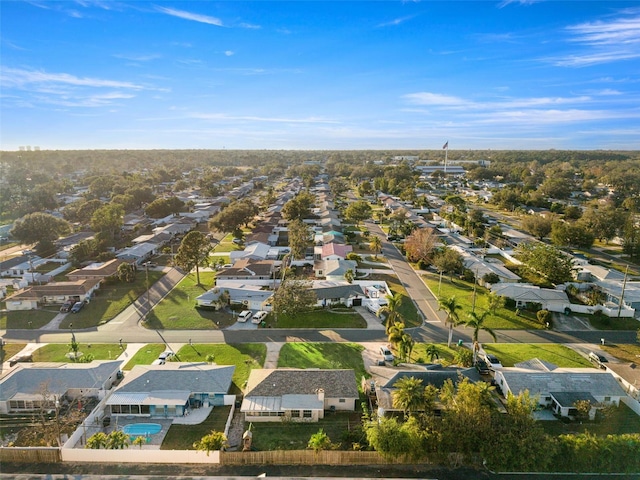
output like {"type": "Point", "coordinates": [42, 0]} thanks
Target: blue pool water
{"type": "Point", "coordinates": [142, 429]}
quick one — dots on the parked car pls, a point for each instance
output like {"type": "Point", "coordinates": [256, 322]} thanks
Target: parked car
{"type": "Point", "coordinates": [77, 307]}
{"type": "Point", "coordinates": [598, 359]}
{"type": "Point", "coordinates": [259, 316]}
{"type": "Point", "coordinates": [66, 306]}
{"type": "Point", "coordinates": [386, 354]}
{"type": "Point", "coordinates": [244, 315]}
{"type": "Point", "coordinates": [482, 367]}
{"type": "Point", "coordinates": [163, 358]}
{"type": "Point", "coordinates": [491, 361]}
{"type": "Point", "coordinates": [237, 241]}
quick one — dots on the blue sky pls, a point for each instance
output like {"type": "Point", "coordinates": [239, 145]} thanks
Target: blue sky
{"type": "Point", "coordinates": [320, 75]}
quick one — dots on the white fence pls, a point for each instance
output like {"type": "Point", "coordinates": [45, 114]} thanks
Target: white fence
{"type": "Point", "coordinates": [625, 312]}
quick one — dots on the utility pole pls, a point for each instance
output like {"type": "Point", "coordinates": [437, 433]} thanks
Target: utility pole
{"type": "Point", "coordinates": [624, 286]}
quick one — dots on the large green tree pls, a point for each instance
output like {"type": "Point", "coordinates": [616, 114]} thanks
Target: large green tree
{"type": "Point", "coordinates": [299, 238]}
{"type": "Point", "coordinates": [536, 225]}
{"type": "Point", "coordinates": [193, 252]}
{"type": "Point", "coordinates": [546, 260]}
{"type": "Point", "coordinates": [299, 207]}
{"type": "Point", "coordinates": [358, 211]}
{"type": "Point", "coordinates": [293, 297]}
{"type": "Point", "coordinates": [107, 221]}
{"type": "Point", "coordinates": [38, 227]}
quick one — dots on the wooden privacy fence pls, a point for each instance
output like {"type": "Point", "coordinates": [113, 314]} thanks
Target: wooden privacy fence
{"type": "Point", "coordinates": [30, 455]}
{"type": "Point", "coordinates": [307, 457]}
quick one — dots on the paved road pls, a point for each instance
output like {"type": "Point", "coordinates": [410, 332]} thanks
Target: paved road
{"type": "Point", "coordinates": [127, 324]}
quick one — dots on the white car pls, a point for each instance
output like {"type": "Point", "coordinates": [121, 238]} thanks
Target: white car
{"type": "Point", "coordinates": [491, 361]}
{"type": "Point", "coordinates": [259, 316]}
{"type": "Point", "coordinates": [244, 315]}
{"type": "Point", "coordinates": [387, 356]}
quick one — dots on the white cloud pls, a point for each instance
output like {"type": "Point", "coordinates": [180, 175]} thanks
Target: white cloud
{"type": "Point", "coordinates": [229, 53]}
{"type": "Point", "coordinates": [427, 98]}
{"type": "Point", "coordinates": [196, 17]}
{"type": "Point", "coordinates": [16, 77]}
{"type": "Point", "coordinates": [594, 58]}
{"type": "Point", "coordinates": [621, 31]}
{"type": "Point", "coordinates": [395, 21]}
{"type": "Point", "coordinates": [225, 117]}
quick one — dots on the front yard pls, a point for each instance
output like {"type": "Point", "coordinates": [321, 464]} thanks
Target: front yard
{"type": "Point", "coordinates": [320, 318]}
{"type": "Point", "coordinates": [26, 319]}
{"type": "Point", "coordinates": [110, 300]}
{"type": "Point", "coordinates": [407, 308]}
{"type": "Point", "coordinates": [504, 318]}
{"type": "Point", "coordinates": [57, 352]}
{"type": "Point", "coordinates": [323, 355]}
{"type": "Point", "coordinates": [511, 353]}
{"type": "Point", "coordinates": [177, 310]}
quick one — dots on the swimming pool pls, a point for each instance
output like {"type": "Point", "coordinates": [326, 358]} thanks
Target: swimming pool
{"type": "Point", "coordinates": [142, 429]}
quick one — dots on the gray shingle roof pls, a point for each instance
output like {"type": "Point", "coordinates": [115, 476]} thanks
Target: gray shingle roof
{"type": "Point", "coordinates": [279, 382]}
{"type": "Point", "coordinates": [59, 377]}
{"type": "Point", "coordinates": [177, 376]}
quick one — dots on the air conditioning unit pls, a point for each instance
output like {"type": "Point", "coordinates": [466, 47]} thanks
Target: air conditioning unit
{"type": "Point", "coordinates": [245, 302]}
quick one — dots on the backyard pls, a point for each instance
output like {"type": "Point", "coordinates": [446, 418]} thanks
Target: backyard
{"type": "Point", "coordinates": [343, 428]}
{"type": "Point", "coordinates": [504, 318]}
{"type": "Point", "coordinates": [182, 437]}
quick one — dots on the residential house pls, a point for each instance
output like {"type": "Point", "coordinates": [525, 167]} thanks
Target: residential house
{"type": "Point", "coordinates": [254, 251]}
{"type": "Point", "coordinates": [170, 390]}
{"type": "Point", "coordinates": [384, 379]}
{"type": "Point", "coordinates": [29, 387]}
{"type": "Point", "coordinates": [257, 272]}
{"type": "Point", "coordinates": [138, 254]}
{"type": "Point", "coordinates": [332, 292]}
{"type": "Point", "coordinates": [54, 293]}
{"type": "Point", "coordinates": [97, 271]}
{"type": "Point", "coordinates": [559, 388]}
{"type": "Point", "coordinates": [524, 294]}
{"type": "Point", "coordinates": [298, 395]}
{"type": "Point", "coordinates": [252, 297]}
{"type": "Point", "coordinates": [332, 251]}
{"type": "Point", "coordinates": [335, 270]}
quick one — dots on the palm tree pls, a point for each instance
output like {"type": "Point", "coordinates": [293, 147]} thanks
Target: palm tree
{"type": "Point", "coordinates": [450, 306]}
{"type": "Point", "coordinates": [476, 321]}
{"type": "Point", "coordinates": [390, 312]}
{"type": "Point", "coordinates": [432, 352]}
{"type": "Point", "coordinates": [213, 441]}
{"type": "Point", "coordinates": [395, 333]}
{"type": "Point", "coordinates": [375, 245]}
{"type": "Point", "coordinates": [97, 441]}
{"type": "Point", "coordinates": [409, 395]}
{"type": "Point", "coordinates": [405, 347]}
{"type": "Point", "coordinates": [117, 440]}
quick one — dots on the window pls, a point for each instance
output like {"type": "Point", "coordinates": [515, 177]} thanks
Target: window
{"type": "Point", "coordinates": [342, 400]}
{"type": "Point", "coordinates": [607, 399]}
{"type": "Point", "coordinates": [306, 413]}
{"type": "Point", "coordinates": [295, 413]}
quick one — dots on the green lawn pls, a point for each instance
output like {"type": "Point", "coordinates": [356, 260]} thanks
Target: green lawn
{"type": "Point", "coordinates": [9, 350]}
{"type": "Point", "coordinates": [504, 318]}
{"type": "Point", "coordinates": [602, 322]}
{"type": "Point", "coordinates": [323, 355]}
{"type": "Point", "coordinates": [445, 354]}
{"type": "Point", "coordinates": [16, 320]}
{"type": "Point", "coordinates": [110, 300]}
{"type": "Point", "coordinates": [177, 310]}
{"type": "Point", "coordinates": [295, 436]}
{"type": "Point", "coordinates": [146, 355]}
{"type": "Point", "coordinates": [321, 318]}
{"type": "Point", "coordinates": [245, 356]}
{"type": "Point", "coordinates": [182, 437]}
{"type": "Point", "coordinates": [227, 245]}
{"type": "Point", "coordinates": [56, 352]}
{"type": "Point", "coordinates": [512, 353]}
{"type": "Point", "coordinates": [407, 307]}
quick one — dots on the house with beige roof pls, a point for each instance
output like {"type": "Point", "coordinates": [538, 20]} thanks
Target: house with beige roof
{"type": "Point", "coordinates": [54, 293]}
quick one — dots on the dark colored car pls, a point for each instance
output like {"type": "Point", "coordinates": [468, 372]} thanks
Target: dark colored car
{"type": "Point", "coordinates": [66, 306]}
{"type": "Point", "coordinates": [77, 307]}
{"type": "Point", "coordinates": [482, 367]}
